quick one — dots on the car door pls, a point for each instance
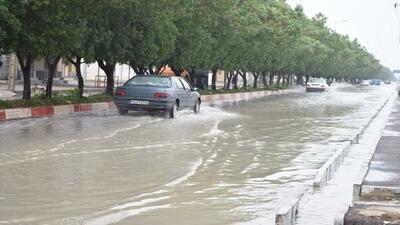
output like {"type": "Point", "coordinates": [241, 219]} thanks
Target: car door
{"type": "Point", "coordinates": [179, 91]}
{"type": "Point", "coordinates": [189, 99]}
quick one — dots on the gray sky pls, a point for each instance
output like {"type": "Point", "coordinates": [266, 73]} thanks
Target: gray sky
{"type": "Point", "coordinates": [375, 23]}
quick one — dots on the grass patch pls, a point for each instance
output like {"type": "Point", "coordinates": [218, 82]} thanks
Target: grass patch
{"type": "Point", "coordinates": [39, 99]}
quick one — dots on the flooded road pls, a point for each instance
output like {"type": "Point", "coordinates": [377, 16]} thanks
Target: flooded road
{"type": "Point", "coordinates": [231, 164]}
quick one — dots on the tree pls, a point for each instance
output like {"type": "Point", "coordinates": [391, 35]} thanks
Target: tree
{"type": "Point", "coordinates": [112, 26]}
{"type": "Point", "coordinates": [27, 41]}
{"type": "Point", "coordinates": [63, 30]}
{"type": "Point", "coordinates": [153, 39]}
{"type": "Point", "coordinates": [9, 27]}
{"type": "Point", "coordinates": [83, 46]}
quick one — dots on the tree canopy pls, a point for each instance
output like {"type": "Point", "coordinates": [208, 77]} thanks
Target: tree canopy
{"type": "Point", "coordinates": [265, 38]}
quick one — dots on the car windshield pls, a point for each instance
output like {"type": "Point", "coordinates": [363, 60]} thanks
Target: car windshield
{"type": "Point", "coordinates": [317, 81]}
{"type": "Point", "coordinates": [150, 81]}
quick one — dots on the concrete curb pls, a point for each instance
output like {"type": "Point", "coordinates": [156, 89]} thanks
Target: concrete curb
{"type": "Point", "coordinates": [235, 97]}
{"type": "Point", "coordinates": [287, 214]}
{"type": "Point", "coordinates": [357, 185]}
{"type": "Point", "coordinates": [339, 218]}
{"type": "Point", "coordinates": [381, 193]}
{"type": "Point", "coordinates": [47, 111]}
{"type": "Point", "coordinates": [326, 172]}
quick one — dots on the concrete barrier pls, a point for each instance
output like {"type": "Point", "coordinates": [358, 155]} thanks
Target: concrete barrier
{"type": "Point", "coordinates": [45, 111]}
{"type": "Point", "coordinates": [14, 114]}
{"type": "Point", "coordinates": [63, 110]}
{"type": "Point", "coordinates": [244, 96]}
{"type": "Point", "coordinates": [339, 217]}
{"type": "Point", "coordinates": [2, 115]}
{"type": "Point", "coordinates": [100, 107]}
{"type": "Point", "coordinates": [287, 214]}
{"type": "Point", "coordinates": [380, 193]}
{"type": "Point", "coordinates": [327, 171]}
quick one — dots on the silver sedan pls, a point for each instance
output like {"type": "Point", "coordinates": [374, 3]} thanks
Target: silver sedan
{"type": "Point", "coordinates": [149, 93]}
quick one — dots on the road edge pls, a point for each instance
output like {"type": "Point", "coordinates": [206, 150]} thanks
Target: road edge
{"type": "Point", "coordinates": [62, 110]}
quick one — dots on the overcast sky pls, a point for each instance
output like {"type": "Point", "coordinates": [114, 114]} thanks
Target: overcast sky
{"type": "Point", "coordinates": [375, 23]}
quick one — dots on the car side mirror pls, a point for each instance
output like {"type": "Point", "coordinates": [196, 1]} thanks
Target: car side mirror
{"type": "Point", "coordinates": [195, 89]}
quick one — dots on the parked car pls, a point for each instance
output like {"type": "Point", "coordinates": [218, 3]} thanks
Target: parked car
{"type": "Point", "coordinates": [157, 93]}
{"type": "Point", "coordinates": [387, 82]}
{"type": "Point", "coordinates": [365, 83]}
{"type": "Point", "coordinates": [375, 82]}
{"type": "Point", "coordinates": [318, 84]}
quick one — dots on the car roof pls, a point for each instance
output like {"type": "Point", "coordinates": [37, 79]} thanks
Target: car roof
{"type": "Point", "coordinates": [144, 75]}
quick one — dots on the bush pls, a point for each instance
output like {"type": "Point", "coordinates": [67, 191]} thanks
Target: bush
{"type": "Point", "coordinates": [39, 99]}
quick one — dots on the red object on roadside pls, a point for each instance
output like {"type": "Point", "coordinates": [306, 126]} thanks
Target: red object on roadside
{"type": "Point", "coordinates": [2, 115]}
{"type": "Point", "coordinates": [42, 111]}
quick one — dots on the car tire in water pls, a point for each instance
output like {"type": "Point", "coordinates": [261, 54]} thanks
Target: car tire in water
{"type": "Point", "coordinates": [173, 111]}
{"type": "Point", "coordinates": [122, 111]}
{"type": "Point", "coordinates": [196, 108]}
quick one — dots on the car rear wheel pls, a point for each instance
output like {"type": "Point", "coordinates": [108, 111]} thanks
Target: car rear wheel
{"type": "Point", "coordinates": [196, 108]}
{"type": "Point", "coordinates": [173, 111]}
{"type": "Point", "coordinates": [122, 111]}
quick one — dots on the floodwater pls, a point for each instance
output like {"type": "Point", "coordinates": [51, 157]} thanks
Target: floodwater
{"type": "Point", "coordinates": [231, 164]}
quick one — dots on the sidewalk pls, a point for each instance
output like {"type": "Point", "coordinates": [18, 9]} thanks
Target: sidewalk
{"type": "Point", "coordinates": [377, 199]}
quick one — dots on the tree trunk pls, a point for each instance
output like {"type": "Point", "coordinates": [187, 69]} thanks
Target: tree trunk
{"type": "Point", "coordinates": [108, 68]}
{"type": "Point", "coordinates": [299, 79]}
{"type": "Point", "coordinates": [52, 67]}
{"type": "Point", "coordinates": [151, 70]}
{"type": "Point", "coordinates": [255, 82]}
{"type": "Point", "coordinates": [307, 79]}
{"type": "Point", "coordinates": [265, 82]}
{"type": "Point", "coordinates": [235, 81]}
{"type": "Point", "coordinates": [77, 64]}
{"type": "Point", "coordinates": [271, 79]}
{"type": "Point", "coordinates": [244, 78]}
{"type": "Point", "coordinates": [279, 80]}
{"type": "Point", "coordinates": [26, 63]}
{"type": "Point", "coordinates": [214, 78]}
{"type": "Point", "coordinates": [229, 80]}
{"type": "Point", "coordinates": [139, 70]}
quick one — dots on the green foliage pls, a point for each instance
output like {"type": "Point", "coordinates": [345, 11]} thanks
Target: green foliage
{"type": "Point", "coordinates": [254, 36]}
{"type": "Point", "coordinates": [58, 99]}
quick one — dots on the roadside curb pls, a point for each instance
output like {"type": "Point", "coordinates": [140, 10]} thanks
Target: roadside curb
{"type": "Point", "coordinates": [287, 214]}
{"type": "Point", "coordinates": [289, 211]}
{"type": "Point", "coordinates": [48, 111]}
{"type": "Point", "coordinates": [235, 97]}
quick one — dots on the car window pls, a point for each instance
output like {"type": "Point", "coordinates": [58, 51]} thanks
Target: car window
{"type": "Point", "coordinates": [186, 84]}
{"type": "Point", "coordinates": [178, 84]}
{"type": "Point", "coordinates": [317, 81]}
{"type": "Point", "coordinates": [150, 81]}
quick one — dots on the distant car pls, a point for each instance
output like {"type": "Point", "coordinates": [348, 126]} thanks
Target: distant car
{"type": "Point", "coordinates": [157, 93]}
{"type": "Point", "coordinates": [387, 82]}
{"type": "Point", "coordinates": [375, 82]}
{"type": "Point", "coordinates": [316, 85]}
{"type": "Point", "coordinates": [364, 83]}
